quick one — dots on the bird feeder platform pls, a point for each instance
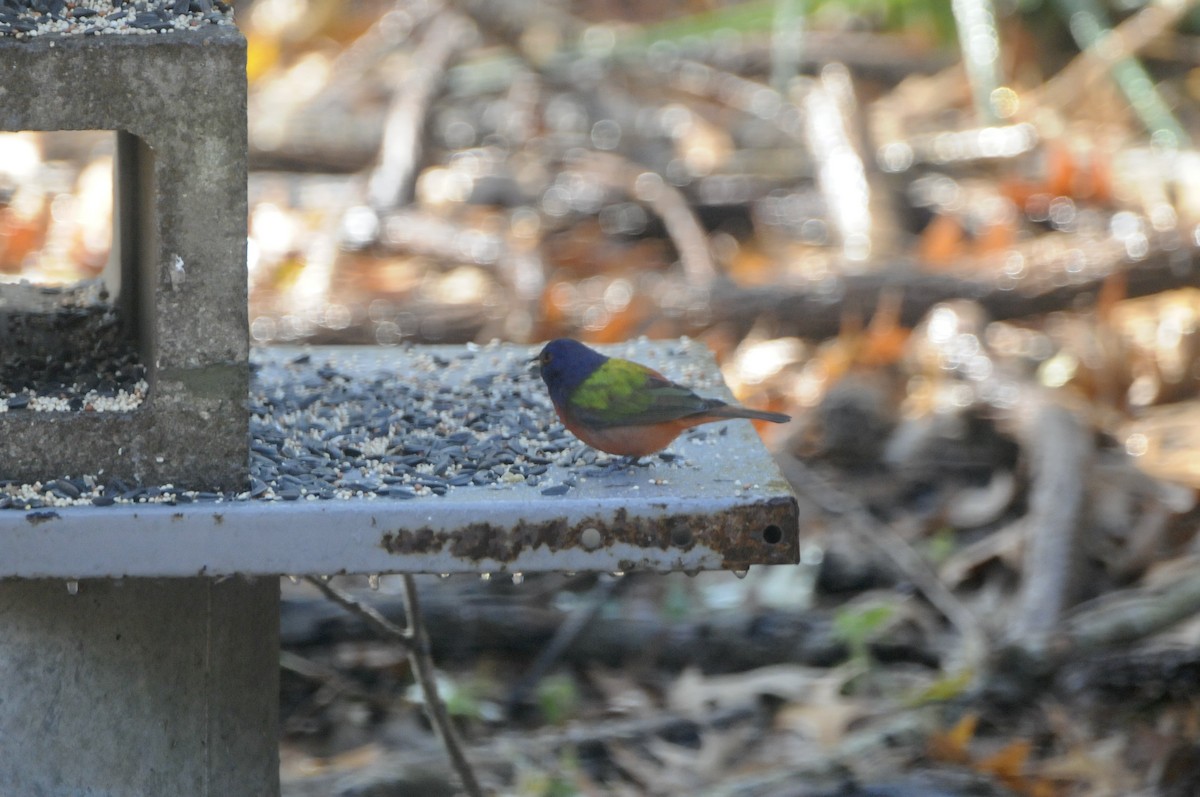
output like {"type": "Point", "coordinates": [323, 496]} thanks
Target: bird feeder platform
{"type": "Point", "coordinates": [422, 460]}
{"type": "Point", "coordinates": [397, 460]}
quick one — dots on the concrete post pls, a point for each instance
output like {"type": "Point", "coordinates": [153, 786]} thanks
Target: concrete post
{"type": "Point", "coordinates": [139, 687]}
{"type": "Point", "coordinates": [177, 102]}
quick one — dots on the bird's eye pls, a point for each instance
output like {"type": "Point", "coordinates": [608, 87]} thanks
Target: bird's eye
{"type": "Point", "coordinates": [545, 358]}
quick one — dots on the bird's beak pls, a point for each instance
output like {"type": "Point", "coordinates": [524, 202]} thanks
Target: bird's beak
{"type": "Point", "coordinates": [535, 366]}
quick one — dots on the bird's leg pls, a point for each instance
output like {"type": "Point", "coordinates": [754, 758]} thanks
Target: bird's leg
{"type": "Point", "coordinates": [622, 464]}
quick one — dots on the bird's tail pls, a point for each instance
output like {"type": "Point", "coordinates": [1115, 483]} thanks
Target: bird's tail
{"type": "Point", "coordinates": [734, 411]}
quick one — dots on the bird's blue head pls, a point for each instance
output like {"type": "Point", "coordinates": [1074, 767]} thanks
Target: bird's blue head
{"type": "Point", "coordinates": [565, 364]}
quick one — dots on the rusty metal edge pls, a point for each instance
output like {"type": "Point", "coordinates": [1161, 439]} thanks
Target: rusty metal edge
{"type": "Point", "coordinates": [387, 536]}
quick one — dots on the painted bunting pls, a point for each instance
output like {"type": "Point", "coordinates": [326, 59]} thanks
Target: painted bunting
{"type": "Point", "coordinates": [625, 408]}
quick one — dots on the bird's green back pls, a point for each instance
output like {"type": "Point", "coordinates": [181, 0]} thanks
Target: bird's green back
{"type": "Point", "coordinates": [620, 392]}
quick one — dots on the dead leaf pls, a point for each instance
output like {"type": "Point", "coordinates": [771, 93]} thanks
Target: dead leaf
{"type": "Point", "coordinates": [1008, 764]}
{"type": "Point", "coordinates": [827, 715]}
{"type": "Point", "coordinates": [952, 745]}
{"type": "Point", "coordinates": [694, 694]}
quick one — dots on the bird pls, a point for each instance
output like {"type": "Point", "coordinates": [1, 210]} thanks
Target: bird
{"type": "Point", "coordinates": [622, 407]}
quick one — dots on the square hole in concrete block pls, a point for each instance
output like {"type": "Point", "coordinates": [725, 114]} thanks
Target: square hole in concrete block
{"type": "Point", "coordinates": [75, 228]}
{"type": "Point", "coordinates": [180, 241]}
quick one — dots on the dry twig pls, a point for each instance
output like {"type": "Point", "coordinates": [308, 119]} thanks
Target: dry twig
{"type": "Point", "coordinates": [415, 640]}
{"type": "Point", "coordinates": [1124, 41]}
{"type": "Point", "coordinates": [568, 631]}
{"type": "Point", "coordinates": [392, 183]}
{"type": "Point", "coordinates": [383, 626]}
{"type": "Point", "coordinates": [684, 229]}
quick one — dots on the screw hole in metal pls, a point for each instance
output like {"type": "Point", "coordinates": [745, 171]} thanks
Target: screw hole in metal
{"type": "Point", "coordinates": [772, 535]}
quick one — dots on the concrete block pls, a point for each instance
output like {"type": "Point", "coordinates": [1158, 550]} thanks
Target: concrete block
{"type": "Point", "coordinates": [140, 687]}
{"type": "Point", "coordinates": [178, 102]}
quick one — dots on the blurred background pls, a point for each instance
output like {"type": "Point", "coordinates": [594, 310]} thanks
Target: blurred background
{"type": "Point", "coordinates": [956, 240]}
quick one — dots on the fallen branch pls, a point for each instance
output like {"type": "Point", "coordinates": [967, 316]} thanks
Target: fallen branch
{"type": "Point", "coordinates": [1060, 451]}
{"type": "Point", "coordinates": [462, 625]}
{"type": "Point", "coordinates": [1129, 615]}
{"type": "Point", "coordinates": [817, 311]}
{"type": "Point", "coordinates": [1024, 667]}
{"type": "Point", "coordinates": [392, 183]}
{"type": "Point", "coordinates": [1126, 677]}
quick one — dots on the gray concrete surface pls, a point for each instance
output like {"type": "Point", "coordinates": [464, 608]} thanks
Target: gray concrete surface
{"type": "Point", "coordinates": [139, 688]}
{"type": "Point", "coordinates": [179, 102]}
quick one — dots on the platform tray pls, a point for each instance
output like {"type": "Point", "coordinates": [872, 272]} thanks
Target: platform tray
{"type": "Point", "coordinates": [715, 501]}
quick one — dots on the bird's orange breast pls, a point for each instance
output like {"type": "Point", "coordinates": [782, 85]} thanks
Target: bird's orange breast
{"type": "Point", "coordinates": [631, 441]}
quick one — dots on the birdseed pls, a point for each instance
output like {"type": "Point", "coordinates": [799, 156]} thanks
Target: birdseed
{"type": "Point", "coordinates": [338, 427]}
{"type": "Point", "coordinates": [27, 19]}
{"type": "Point", "coordinates": [65, 351]}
